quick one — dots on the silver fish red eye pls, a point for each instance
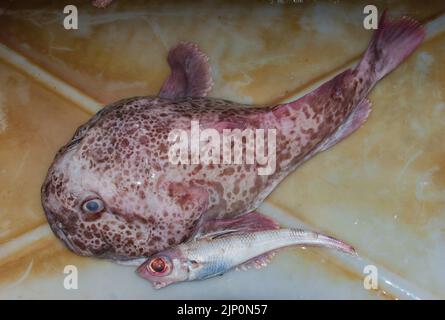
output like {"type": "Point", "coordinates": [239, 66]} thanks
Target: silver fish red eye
{"type": "Point", "coordinates": [93, 206]}
{"type": "Point", "coordinates": [159, 266]}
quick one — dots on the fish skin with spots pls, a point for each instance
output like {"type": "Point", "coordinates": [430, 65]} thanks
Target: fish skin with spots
{"type": "Point", "coordinates": [112, 192]}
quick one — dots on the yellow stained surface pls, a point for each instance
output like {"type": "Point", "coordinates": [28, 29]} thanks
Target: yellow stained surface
{"type": "Point", "coordinates": [38, 272]}
{"type": "Point", "coordinates": [34, 124]}
{"type": "Point", "coordinates": [382, 189]}
{"type": "Point", "coordinates": [259, 51]}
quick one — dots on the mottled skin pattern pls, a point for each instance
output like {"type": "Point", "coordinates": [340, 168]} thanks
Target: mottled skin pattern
{"type": "Point", "coordinates": [122, 154]}
{"type": "Point", "coordinates": [121, 157]}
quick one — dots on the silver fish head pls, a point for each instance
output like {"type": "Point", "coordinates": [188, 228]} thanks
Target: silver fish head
{"type": "Point", "coordinates": [167, 267]}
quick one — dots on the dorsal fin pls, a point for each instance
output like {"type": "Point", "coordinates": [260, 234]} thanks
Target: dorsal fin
{"type": "Point", "coordinates": [190, 76]}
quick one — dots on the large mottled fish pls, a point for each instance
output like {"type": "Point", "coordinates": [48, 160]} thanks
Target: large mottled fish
{"type": "Point", "coordinates": [215, 255]}
{"type": "Point", "coordinates": [113, 191]}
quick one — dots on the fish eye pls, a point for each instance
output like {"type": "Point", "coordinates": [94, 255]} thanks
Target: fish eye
{"type": "Point", "coordinates": [93, 206]}
{"type": "Point", "coordinates": [159, 266]}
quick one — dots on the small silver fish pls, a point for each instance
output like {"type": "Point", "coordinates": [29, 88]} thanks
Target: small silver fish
{"type": "Point", "coordinates": [208, 257]}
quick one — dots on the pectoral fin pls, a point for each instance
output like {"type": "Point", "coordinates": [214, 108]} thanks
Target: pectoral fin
{"type": "Point", "coordinates": [190, 198]}
{"type": "Point", "coordinates": [249, 222]}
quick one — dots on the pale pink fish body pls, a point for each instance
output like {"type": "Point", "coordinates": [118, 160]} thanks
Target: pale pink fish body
{"type": "Point", "coordinates": [112, 191]}
{"type": "Point", "coordinates": [209, 257]}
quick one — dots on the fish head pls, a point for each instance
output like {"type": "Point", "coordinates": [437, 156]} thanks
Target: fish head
{"type": "Point", "coordinates": [109, 194]}
{"type": "Point", "coordinates": [95, 209]}
{"type": "Point", "coordinates": [164, 268]}
{"type": "Point", "coordinates": [77, 205]}
{"type": "Point", "coordinates": [98, 214]}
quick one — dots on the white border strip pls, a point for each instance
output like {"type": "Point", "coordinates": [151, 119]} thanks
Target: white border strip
{"type": "Point", "coordinates": [44, 77]}
{"type": "Point", "coordinates": [24, 240]}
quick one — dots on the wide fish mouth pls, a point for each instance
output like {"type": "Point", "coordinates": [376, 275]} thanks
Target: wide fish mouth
{"type": "Point", "coordinates": [106, 252]}
{"type": "Point", "coordinates": [57, 229]}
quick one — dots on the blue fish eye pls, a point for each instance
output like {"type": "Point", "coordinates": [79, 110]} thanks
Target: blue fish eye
{"type": "Point", "coordinates": [93, 206]}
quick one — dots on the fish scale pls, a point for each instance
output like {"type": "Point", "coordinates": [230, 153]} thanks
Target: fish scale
{"type": "Point", "coordinates": [250, 245]}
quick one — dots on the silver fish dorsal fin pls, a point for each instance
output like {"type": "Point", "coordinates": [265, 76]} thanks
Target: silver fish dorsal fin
{"type": "Point", "coordinates": [249, 222]}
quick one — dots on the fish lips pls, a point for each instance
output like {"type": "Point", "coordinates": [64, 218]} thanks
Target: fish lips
{"type": "Point", "coordinates": [57, 229]}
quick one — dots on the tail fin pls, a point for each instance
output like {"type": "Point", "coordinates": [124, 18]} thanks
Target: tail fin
{"type": "Point", "coordinates": [392, 43]}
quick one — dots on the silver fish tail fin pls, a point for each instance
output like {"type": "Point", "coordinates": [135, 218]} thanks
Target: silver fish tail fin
{"type": "Point", "coordinates": [391, 43]}
{"type": "Point", "coordinates": [330, 242]}
{"type": "Point", "coordinates": [302, 237]}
